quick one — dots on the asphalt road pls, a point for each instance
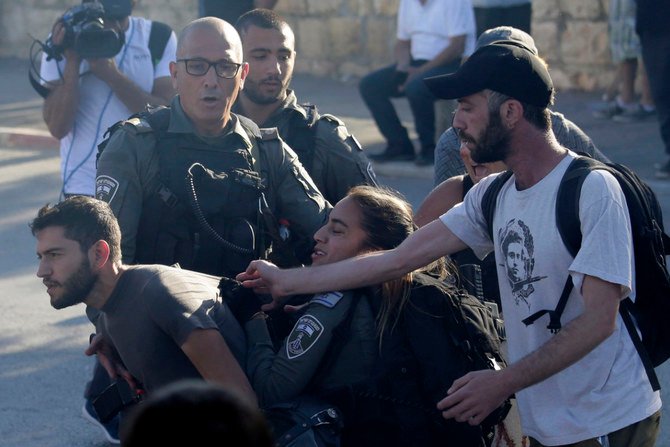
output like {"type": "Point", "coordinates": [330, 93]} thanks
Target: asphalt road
{"type": "Point", "coordinates": [42, 366]}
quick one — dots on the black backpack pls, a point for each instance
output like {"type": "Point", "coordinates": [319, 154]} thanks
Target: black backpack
{"type": "Point", "coordinates": [650, 245]}
{"type": "Point", "coordinates": [158, 38]}
{"type": "Point", "coordinates": [441, 335]}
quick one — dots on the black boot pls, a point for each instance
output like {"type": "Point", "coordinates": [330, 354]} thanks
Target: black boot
{"type": "Point", "coordinates": [426, 157]}
{"type": "Point", "coordinates": [394, 153]}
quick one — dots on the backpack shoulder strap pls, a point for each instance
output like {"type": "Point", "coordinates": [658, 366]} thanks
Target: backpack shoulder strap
{"type": "Point", "coordinates": [490, 197]}
{"type": "Point", "coordinates": [158, 39]}
{"type": "Point", "coordinates": [569, 227]}
{"type": "Point", "coordinates": [567, 201]}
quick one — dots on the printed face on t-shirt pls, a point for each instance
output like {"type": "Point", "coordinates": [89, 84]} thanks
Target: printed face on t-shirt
{"type": "Point", "coordinates": [518, 250]}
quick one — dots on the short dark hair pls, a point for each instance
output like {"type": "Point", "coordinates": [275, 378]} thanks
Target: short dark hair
{"type": "Point", "coordinates": [86, 220]}
{"type": "Point", "coordinates": [535, 115]}
{"type": "Point", "coordinates": [195, 412]}
{"type": "Point", "coordinates": [261, 18]}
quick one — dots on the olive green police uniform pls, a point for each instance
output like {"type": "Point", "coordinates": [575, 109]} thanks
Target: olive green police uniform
{"type": "Point", "coordinates": [279, 376]}
{"type": "Point", "coordinates": [142, 174]}
{"type": "Point", "coordinates": [331, 155]}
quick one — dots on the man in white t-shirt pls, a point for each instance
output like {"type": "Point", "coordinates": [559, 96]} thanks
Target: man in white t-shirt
{"type": "Point", "coordinates": [89, 95]}
{"type": "Point", "coordinates": [584, 384]}
{"type": "Point", "coordinates": [432, 37]}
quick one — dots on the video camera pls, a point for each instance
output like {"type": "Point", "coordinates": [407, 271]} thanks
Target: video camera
{"type": "Point", "coordinates": [85, 30]}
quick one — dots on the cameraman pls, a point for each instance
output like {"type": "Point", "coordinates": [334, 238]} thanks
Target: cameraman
{"type": "Point", "coordinates": [89, 95]}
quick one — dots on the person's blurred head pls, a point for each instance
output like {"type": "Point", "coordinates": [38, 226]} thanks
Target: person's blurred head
{"type": "Point", "coordinates": [195, 413]}
{"type": "Point", "coordinates": [477, 171]}
{"type": "Point", "coordinates": [71, 237]}
{"type": "Point", "coordinates": [208, 73]}
{"type": "Point", "coordinates": [269, 49]}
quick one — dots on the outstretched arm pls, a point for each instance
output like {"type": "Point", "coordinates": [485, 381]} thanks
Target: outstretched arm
{"type": "Point", "coordinates": [211, 356]}
{"type": "Point", "coordinates": [420, 249]}
{"type": "Point", "coordinates": [472, 397]}
{"type": "Point", "coordinates": [440, 200]}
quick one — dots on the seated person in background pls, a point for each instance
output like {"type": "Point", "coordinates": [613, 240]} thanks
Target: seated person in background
{"type": "Point", "coordinates": [170, 416]}
{"type": "Point", "coordinates": [162, 323]}
{"type": "Point", "coordinates": [431, 39]}
{"type": "Point", "coordinates": [323, 356]}
{"type": "Point", "coordinates": [448, 163]}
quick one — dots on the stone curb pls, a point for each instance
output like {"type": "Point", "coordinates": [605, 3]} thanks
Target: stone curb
{"type": "Point", "coordinates": [26, 137]}
{"type": "Point", "coordinates": [404, 169]}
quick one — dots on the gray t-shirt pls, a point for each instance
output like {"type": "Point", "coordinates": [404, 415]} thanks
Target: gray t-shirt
{"type": "Point", "coordinates": [152, 311]}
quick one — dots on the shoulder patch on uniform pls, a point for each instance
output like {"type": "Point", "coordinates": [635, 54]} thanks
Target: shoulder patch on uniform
{"type": "Point", "coordinates": [329, 299]}
{"type": "Point", "coordinates": [332, 118]}
{"type": "Point", "coordinates": [357, 144]}
{"type": "Point", "coordinates": [139, 124]}
{"type": "Point", "coordinates": [269, 133]}
{"type": "Point", "coordinates": [304, 335]}
{"type": "Point", "coordinates": [105, 188]}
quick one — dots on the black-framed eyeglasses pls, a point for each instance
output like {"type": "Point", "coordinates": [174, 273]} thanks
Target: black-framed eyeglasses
{"type": "Point", "coordinates": [200, 67]}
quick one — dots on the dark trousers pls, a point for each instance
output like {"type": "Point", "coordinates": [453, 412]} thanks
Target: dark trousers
{"type": "Point", "coordinates": [516, 16]}
{"type": "Point", "coordinates": [98, 382]}
{"type": "Point", "coordinates": [656, 57]}
{"type": "Point", "coordinates": [377, 89]}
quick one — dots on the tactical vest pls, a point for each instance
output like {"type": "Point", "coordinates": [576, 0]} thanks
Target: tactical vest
{"type": "Point", "coordinates": [300, 134]}
{"type": "Point", "coordinates": [206, 213]}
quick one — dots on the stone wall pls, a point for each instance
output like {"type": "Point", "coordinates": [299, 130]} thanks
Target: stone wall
{"type": "Point", "coordinates": [348, 38]}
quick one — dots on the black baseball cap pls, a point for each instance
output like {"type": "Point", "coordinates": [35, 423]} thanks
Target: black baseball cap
{"type": "Point", "coordinates": [506, 34]}
{"type": "Point", "coordinates": [504, 67]}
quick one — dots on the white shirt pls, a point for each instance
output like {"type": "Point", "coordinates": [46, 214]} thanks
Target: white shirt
{"type": "Point", "coordinates": [430, 27]}
{"type": "Point", "coordinates": [607, 389]}
{"type": "Point", "coordinates": [99, 108]}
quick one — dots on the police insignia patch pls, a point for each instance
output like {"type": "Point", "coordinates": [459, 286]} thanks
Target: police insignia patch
{"type": "Point", "coordinates": [304, 335]}
{"type": "Point", "coordinates": [329, 299]}
{"type": "Point", "coordinates": [105, 188]}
